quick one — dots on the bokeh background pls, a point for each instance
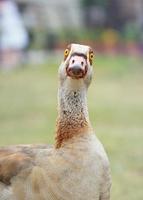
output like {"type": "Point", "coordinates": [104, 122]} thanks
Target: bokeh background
{"type": "Point", "coordinates": [33, 35]}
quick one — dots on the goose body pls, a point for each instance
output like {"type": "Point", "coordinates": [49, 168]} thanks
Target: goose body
{"type": "Point", "coordinates": [76, 167]}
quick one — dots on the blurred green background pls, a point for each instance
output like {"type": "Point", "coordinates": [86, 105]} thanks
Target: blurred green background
{"type": "Point", "coordinates": [29, 81]}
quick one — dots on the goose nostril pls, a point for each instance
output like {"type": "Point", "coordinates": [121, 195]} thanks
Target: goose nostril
{"type": "Point", "coordinates": [73, 61]}
{"type": "Point", "coordinates": [82, 63]}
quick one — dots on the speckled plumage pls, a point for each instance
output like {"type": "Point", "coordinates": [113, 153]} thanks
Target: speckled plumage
{"type": "Point", "coordinates": [76, 167]}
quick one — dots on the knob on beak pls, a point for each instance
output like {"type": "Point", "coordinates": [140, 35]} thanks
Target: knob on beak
{"type": "Point", "coordinates": [75, 71]}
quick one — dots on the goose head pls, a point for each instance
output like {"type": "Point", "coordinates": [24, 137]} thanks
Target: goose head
{"type": "Point", "coordinates": [76, 66]}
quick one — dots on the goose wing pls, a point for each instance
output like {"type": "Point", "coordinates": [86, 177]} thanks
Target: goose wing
{"type": "Point", "coordinates": [15, 158]}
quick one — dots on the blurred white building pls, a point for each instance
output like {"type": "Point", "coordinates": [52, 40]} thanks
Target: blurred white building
{"type": "Point", "coordinates": [59, 14]}
{"type": "Point", "coordinates": [52, 14]}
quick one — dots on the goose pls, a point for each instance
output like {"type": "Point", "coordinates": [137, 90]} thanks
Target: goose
{"type": "Point", "coordinates": [76, 167]}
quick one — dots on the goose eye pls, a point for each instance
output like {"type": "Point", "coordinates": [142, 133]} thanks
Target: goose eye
{"type": "Point", "coordinates": [91, 55]}
{"type": "Point", "coordinates": [66, 53]}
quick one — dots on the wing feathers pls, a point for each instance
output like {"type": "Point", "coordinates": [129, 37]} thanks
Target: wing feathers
{"type": "Point", "coordinates": [11, 163]}
{"type": "Point", "coordinates": [15, 158]}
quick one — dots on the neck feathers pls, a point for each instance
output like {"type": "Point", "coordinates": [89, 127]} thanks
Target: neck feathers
{"type": "Point", "coordinates": [73, 119]}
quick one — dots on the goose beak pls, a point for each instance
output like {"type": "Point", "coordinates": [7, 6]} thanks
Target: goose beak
{"type": "Point", "coordinates": [76, 67]}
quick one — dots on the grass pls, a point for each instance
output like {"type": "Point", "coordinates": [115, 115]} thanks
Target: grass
{"type": "Point", "coordinates": [28, 111]}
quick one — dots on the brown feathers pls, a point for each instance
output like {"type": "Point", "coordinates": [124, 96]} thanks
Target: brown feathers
{"type": "Point", "coordinates": [11, 163]}
{"type": "Point", "coordinates": [16, 158]}
{"type": "Point", "coordinates": [68, 129]}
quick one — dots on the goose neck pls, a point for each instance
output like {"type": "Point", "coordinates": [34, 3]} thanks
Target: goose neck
{"type": "Point", "coordinates": [73, 116]}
